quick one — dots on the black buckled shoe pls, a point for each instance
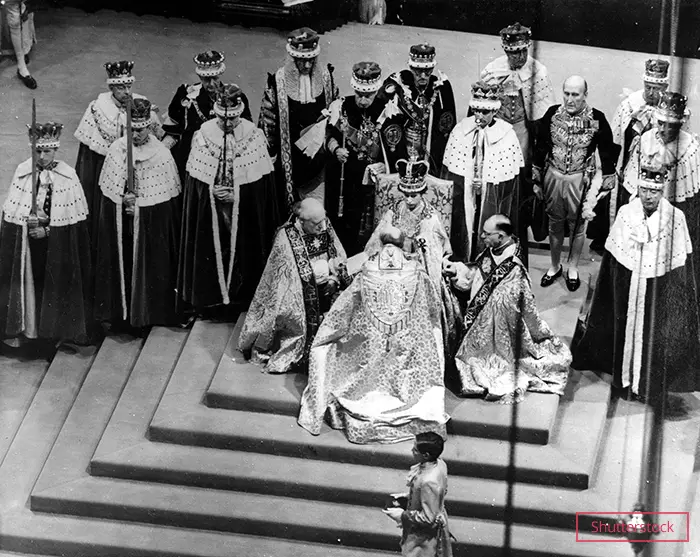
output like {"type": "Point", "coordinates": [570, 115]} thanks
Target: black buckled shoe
{"type": "Point", "coordinates": [548, 280]}
{"type": "Point", "coordinates": [28, 80]}
{"type": "Point", "coordinates": [572, 284]}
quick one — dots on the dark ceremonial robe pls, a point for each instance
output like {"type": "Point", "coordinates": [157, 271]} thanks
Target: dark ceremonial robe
{"type": "Point", "coordinates": [224, 246]}
{"type": "Point", "coordinates": [507, 348]}
{"type": "Point", "coordinates": [103, 123]}
{"type": "Point", "coordinates": [362, 129]}
{"type": "Point", "coordinates": [432, 111]}
{"type": "Point", "coordinates": [45, 283]}
{"type": "Point", "coordinates": [624, 327]}
{"type": "Point", "coordinates": [291, 298]}
{"type": "Point", "coordinates": [424, 521]}
{"type": "Point", "coordinates": [376, 366]}
{"type": "Point", "coordinates": [191, 106]}
{"type": "Point", "coordinates": [284, 118]}
{"type": "Point", "coordinates": [136, 265]}
{"type": "Point", "coordinates": [492, 155]}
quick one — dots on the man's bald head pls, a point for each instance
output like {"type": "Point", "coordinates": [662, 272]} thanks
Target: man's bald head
{"type": "Point", "coordinates": [577, 82]}
{"type": "Point", "coordinates": [575, 94]}
{"type": "Point", "coordinates": [501, 223]}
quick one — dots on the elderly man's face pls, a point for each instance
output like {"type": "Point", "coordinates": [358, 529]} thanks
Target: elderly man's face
{"type": "Point", "coordinates": [650, 198]}
{"type": "Point", "coordinates": [313, 225]}
{"type": "Point", "coordinates": [422, 76]}
{"type": "Point", "coordinates": [483, 117]}
{"type": "Point", "coordinates": [652, 92]}
{"type": "Point", "coordinates": [210, 84]}
{"type": "Point", "coordinates": [121, 92]}
{"type": "Point", "coordinates": [574, 97]}
{"type": "Point", "coordinates": [364, 100]}
{"type": "Point", "coordinates": [45, 156]}
{"type": "Point", "coordinates": [668, 131]}
{"type": "Point", "coordinates": [517, 59]}
{"type": "Point", "coordinates": [304, 66]}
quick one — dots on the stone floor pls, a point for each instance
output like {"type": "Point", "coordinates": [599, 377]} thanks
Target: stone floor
{"type": "Point", "coordinates": [68, 63]}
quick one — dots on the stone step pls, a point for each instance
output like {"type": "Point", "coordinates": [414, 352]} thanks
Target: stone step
{"type": "Point", "coordinates": [65, 536]}
{"type": "Point", "coordinates": [20, 379]}
{"type": "Point", "coordinates": [281, 435]}
{"type": "Point", "coordinates": [336, 482]}
{"type": "Point", "coordinates": [283, 517]}
{"type": "Point", "coordinates": [240, 385]}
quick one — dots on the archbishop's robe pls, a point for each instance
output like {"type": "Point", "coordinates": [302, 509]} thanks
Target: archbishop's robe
{"type": "Point", "coordinates": [287, 308]}
{"type": "Point", "coordinates": [45, 283]}
{"type": "Point", "coordinates": [211, 273]}
{"type": "Point", "coordinates": [507, 348]}
{"type": "Point", "coordinates": [136, 256]}
{"type": "Point", "coordinates": [377, 364]}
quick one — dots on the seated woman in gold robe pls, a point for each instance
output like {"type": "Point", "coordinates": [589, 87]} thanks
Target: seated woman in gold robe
{"type": "Point", "coordinates": [377, 364]}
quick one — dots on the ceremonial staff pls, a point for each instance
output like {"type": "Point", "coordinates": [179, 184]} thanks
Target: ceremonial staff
{"type": "Point", "coordinates": [129, 148]}
{"type": "Point", "coordinates": [34, 161]}
{"type": "Point", "coordinates": [342, 181]}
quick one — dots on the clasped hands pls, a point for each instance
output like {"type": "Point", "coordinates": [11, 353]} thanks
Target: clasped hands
{"type": "Point", "coordinates": [36, 228]}
{"type": "Point", "coordinates": [223, 193]}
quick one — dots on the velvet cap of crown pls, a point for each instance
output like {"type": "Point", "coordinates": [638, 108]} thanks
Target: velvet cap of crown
{"type": "Point", "coordinates": [47, 135]}
{"type": "Point", "coordinates": [672, 107]}
{"type": "Point", "coordinates": [486, 96]}
{"type": "Point", "coordinates": [209, 63]}
{"type": "Point", "coordinates": [140, 113]}
{"type": "Point", "coordinates": [652, 177]}
{"type": "Point", "coordinates": [422, 56]}
{"type": "Point", "coordinates": [303, 43]}
{"type": "Point", "coordinates": [656, 71]}
{"type": "Point", "coordinates": [412, 176]}
{"type": "Point", "coordinates": [516, 37]}
{"type": "Point", "coordinates": [366, 77]}
{"type": "Point", "coordinates": [119, 73]}
{"type": "Point", "coordinates": [229, 101]}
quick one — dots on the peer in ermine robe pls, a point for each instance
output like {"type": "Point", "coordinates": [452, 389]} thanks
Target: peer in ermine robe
{"type": "Point", "coordinates": [483, 158]}
{"type": "Point", "coordinates": [139, 232]}
{"type": "Point", "coordinates": [302, 278]}
{"type": "Point", "coordinates": [377, 367]}
{"type": "Point", "coordinates": [507, 349]}
{"type": "Point", "coordinates": [633, 117]}
{"type": "Point", "coordinates": [230, 209]}
{"type": "Point", "coordinates": [193, 105]}
{"type": "Point", "coordinates": [643, 326]}
{"type": "Point", "coordinates": [103, 123]}
{"type": "Point", "coordinates": [45, 269]}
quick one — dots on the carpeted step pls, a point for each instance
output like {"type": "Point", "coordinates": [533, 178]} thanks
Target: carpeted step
{"type": "Point", "coordinates": [337, 482]}
{"type": "Point", "coordinates": [283, 517]}
{"type": "Point", "coordinates": [240, 385]}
